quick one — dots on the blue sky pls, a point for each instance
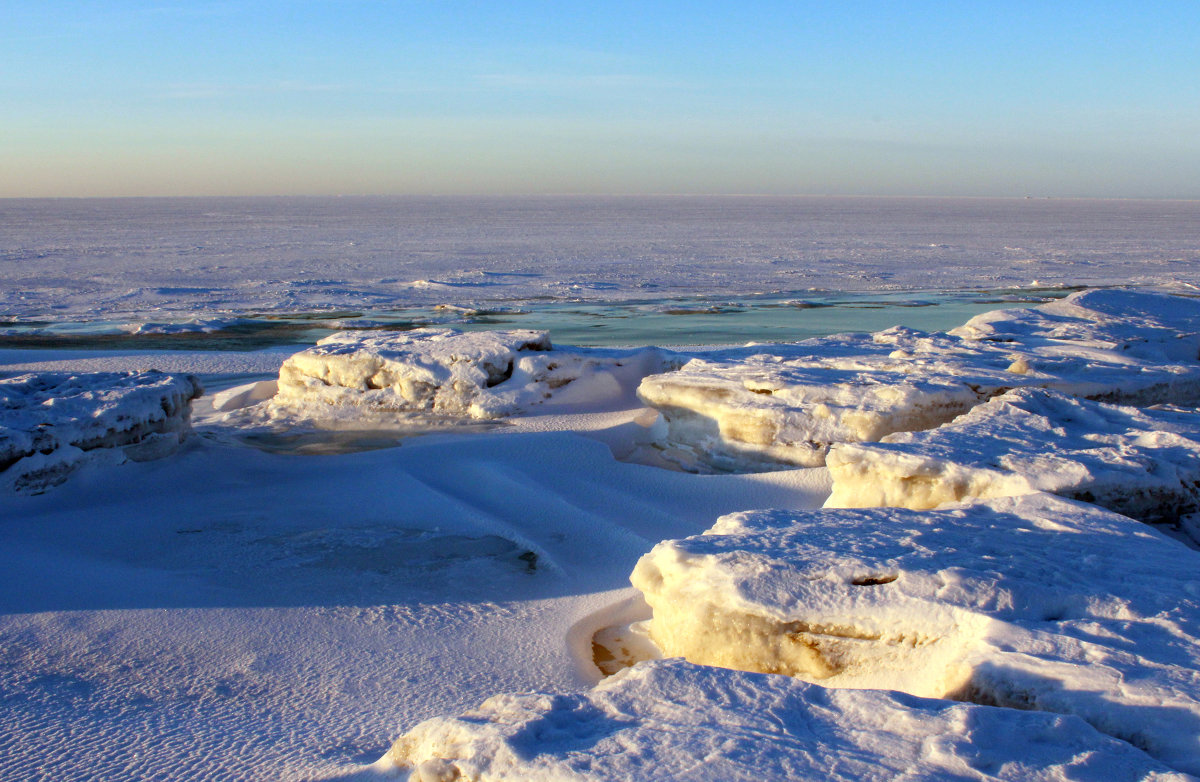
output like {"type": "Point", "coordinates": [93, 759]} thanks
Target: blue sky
{"type": "Point", "coordinates": [270, 97]}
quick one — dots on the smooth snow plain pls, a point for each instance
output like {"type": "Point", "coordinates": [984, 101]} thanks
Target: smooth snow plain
{"type": "Point", "coordinates": [305, 583]}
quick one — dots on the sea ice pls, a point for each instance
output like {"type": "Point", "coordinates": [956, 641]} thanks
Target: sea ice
{"type": "Point", "coordinates": [1144, 463]}
{"type": "Point", "coordinates": [485, 374]}
{"type": "Point", "coordinates": [1035, 602]}
{"type": "Point", "coordinates": [788, 404]}
{"type": "Point", "coordinates": [672, 720]}
{"type": "Point", "coordinates": [51, 423]}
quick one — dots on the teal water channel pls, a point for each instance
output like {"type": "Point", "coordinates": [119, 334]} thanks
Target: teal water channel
{"type": "Point", "coordinates": [670, 322]}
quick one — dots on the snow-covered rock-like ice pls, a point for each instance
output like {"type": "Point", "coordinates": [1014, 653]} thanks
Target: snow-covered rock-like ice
{"type": "Point", "coordinates": [484, 374]}
{"type": "Point", "coordinates": [1142, 463]}
{"type": "Point", "coordinates": [788, 404]}
{"type": "Point", "coordinates": [51, 423]}
{"type": "Point", "coordinates": [1035, 602]}
{"type": "Point", "coordinates": [1147, 326]}
{"type": "Point", "coordinates": [671, 720]}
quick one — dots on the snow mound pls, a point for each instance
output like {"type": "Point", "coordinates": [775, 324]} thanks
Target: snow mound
{"type": "Point", "coordinates": [51, 423]}
{"type": "Point", "coordinates": [671, 720]}
{"type": "Point", "coordinates": [1142, 463]}
{"type": "Point", "coordinates": [1154, 327]}
{"type": "Point", "coordinates": [788, 404]}
{"type": "Point", "coordinates": [486, 374]}
{"type": "Point", "coordinates": [1033, 602]}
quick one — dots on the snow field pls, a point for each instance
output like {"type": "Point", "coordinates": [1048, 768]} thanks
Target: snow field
{"type": "Point", "coordinates": [249, 615]}
{"type": "Point", "coordinates": [1031, 601]}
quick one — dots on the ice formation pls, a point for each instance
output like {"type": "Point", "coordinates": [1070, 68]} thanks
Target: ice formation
{"type": "Point", "coordinates": [1144, 463]}
{"type": "Point", "coordinates": [52, 423]}
{"type": "Point", "coordinates": [671, 720]}
{"type": "Point", "coordinates": [1035, 602]}
{"type": "Point", "coordinates": [788, 404]}
{"type": "Point", "coordinates": [485, 374]}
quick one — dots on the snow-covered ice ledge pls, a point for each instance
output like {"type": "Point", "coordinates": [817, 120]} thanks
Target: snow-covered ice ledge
{"type": "Point", "coordinates": [480, 375]}
{"type": "Point", "coordinates": [1034, 602]}
{"type": "Point", "coordinates": [788, 404]}
{"type": "Point", "coordinates": [52, 423]}
{"type": "Point", "coordinates": [1142, 463]}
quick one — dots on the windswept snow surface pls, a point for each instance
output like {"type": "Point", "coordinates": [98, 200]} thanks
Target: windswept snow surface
{"type": "Point", "coordinates": [53, 423]}
{"type": "Point", "coordinates": [788, 404]}
{"type": "Point", "coordinates": [671, 720]}
{"type": "Point", "coordinates": [230, 613]}
{"type": "Point", "coordinates": [1142, 463]}
{"type": "Point", "coordinates": [1033, 602]}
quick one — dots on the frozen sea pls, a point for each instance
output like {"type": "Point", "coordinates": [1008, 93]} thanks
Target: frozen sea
{"type": "Point", "coordinates": [596, 270]}
{"type": "Point", "coordinates": [263, 609]}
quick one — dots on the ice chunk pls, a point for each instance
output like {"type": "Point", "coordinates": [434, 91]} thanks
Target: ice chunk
{"type": "Point", "coordinates": [53, 422]}
{"type": "Point", "coordinates": [787, 404]}
{"type": "Point", "coordinates": [1143, 463]}
{"type": "Point", "coordinates": [485, 374]}
{"type": "Point", "coordinates": [244, 395]}
{"type": "Point", "coordinates": [1035, 602]}
{"type": "Point", "coordinates": [770, 409]}
{"type": "Point", "coordinates": [440, 370]}
{"type": "Point", "coordinates": [669, 719]}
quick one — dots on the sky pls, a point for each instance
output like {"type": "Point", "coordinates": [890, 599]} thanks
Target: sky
{"type": "Point", "coordinates": [126, 98]}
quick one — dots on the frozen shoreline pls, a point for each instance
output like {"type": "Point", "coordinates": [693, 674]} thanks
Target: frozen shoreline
{"type": "Point", "coordinates": [317, 607]}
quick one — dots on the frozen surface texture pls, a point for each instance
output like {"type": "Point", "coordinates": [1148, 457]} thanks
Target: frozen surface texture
{"type": "Point", "coordinates": [671, 720]}
{"type": "Point", "coordinates": [789, 403]}
{"type": "Point", "coordinates": [1034, 602]}
{"type": "Point", "coordinates": [52, 423]}
{"type": "Point", "coordinates": [1142, 463]}
{"type": "Point", "coordinates": [209, 258]}
{"type": "Point", "coordinates": [485, 374]}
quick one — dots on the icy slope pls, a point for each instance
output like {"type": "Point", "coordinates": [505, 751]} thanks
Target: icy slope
{"type": "Point", "coordinates": [1034, 602]}
{"type": "Point", "coordinates": [671, 720]}
{"type": "Point", "coordinates": [1142, 463]}
{"type": "Point", "coordinates": [52, 423]}
{"type": "Point", "coordinates": [787, 404]}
